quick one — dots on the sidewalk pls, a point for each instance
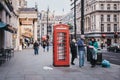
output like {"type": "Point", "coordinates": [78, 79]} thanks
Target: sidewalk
{"type": "Point", "coordinates": [27, 66]}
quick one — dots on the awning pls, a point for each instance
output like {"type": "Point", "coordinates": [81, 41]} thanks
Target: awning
{"type": "Point", "coordinates": [27, 34]}
{"type": "Point", "coordinates": [3, 25]}
{"type": "Point", "coordinates": [7, 27]}
{"type": "Point", "coordinates": [11, 29]}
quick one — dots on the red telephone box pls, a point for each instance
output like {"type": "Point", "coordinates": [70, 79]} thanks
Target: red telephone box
{"type": "Point", "coordinates": [61, 45]}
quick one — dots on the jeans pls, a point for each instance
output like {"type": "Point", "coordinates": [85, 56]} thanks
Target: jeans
{"type": "Point", "coordinates": [81, 58]}
{"type": "Point", "coordinates": [47, 48]}
{"type": "Point", "coordinates": [35, 51]}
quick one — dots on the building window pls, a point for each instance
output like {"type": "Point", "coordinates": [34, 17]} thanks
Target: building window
{"type": "Point", "coordinates": [38, 25]}
{"type": "Point", "coordinates": [102, 6]}
{"type": "Point", "coordinates": [43, 29]}
{"type": "Point", "coordinates": [115, 27]}
{"type": "Point", "coordinates": [102, 27]}
{"type": "Point", "coordinates": [108, 18]}
{"type": "Point", "coordinates": [115, 18]}
{"type": "Point", "coordinates": [19, 3]}
{"type": "Point", "coordinates": [25, 4]}
{"type": "Point", "coordinates": [108, 27]}
{"type": "Point", "coordinates": [108, 6]}
{"type": "Point", "coordinates": [42, 24]}
{"type": "Point", "coordinates": [115, 6]}
{"type": "Point", "coordinates": [102, 18]}
{"type": "Point", "coordinates": [42, 33]}
{"type": "Point", "coordinates": [94, 18]}
{"type": "Point", "coordinates": [38, 31]}
{"type": "Point", "coordinates": [94, 7]}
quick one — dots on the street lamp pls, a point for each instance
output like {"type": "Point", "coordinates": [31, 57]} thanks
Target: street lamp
{"type": "Point", "coordinates": [47, 19]}
{"type": "Point", "coordinates": [82, 17]}
{"type": "Point", "coordinates": [75, 19]}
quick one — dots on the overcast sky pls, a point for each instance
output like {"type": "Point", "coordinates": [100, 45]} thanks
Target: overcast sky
{"type": "Point", "coordinates": [59, 6]}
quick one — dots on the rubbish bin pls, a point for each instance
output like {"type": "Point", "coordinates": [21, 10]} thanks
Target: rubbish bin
{"type": "Point", "coordinates": [99, 57]}
{"type": "Point", "coordinates": [89, 54]}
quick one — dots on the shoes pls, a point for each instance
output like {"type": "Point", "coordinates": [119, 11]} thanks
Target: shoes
{"type": "Point", "coordinates": [81, 66]}
{"type": "Point", "coordinates": [73, 63]}
{"type": "Point", "coordinates": [92, 66]}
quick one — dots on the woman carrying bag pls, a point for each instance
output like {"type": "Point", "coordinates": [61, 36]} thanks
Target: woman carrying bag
{"type": "Point", "coordinates": [93, 45]}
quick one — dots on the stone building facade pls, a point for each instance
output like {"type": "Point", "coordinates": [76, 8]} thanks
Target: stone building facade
{"type": "Point", "coordinates": [46, 26]}
{"type": "Point", "coordinates": [101, 19]}
{"type": "Point", "coordinates": [8, 24]}
{"type": "Point", "coordinates": [27, 25]}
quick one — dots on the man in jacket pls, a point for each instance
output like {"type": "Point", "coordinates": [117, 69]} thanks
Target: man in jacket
{"type": "Point", "coordinates": [36, 47]}
{"type": "Point", "coordinates": [81, 50]}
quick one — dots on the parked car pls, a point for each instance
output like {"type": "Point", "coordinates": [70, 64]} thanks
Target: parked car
{"type": "Point", "coordinates": [114, 47]}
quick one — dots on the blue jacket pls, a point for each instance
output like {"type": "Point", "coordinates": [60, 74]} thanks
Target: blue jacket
{"type": "Point", "coordinates": [81, 46]}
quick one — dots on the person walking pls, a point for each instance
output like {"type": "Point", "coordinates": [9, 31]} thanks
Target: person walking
{"type": "Point", "coordinates": [93, 45]}
{"type": "Point", "coordinates": [102, 44]}
{"type": "Point", "coordinates": [36, 47]}
{"type": "Point", "coordinates": [73, 48]}
{"type": "Point", "coordinates": [44, 45]}
{"type": "Point", "coordinates": [81, 50]}
{"type": "Point", "coordinates": [47, 44]}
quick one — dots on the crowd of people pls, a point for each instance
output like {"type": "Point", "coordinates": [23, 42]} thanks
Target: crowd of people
{"type": "Point", "coordinates": [44, 44]}
{"type": "Point", "coordinates": [78, 48]}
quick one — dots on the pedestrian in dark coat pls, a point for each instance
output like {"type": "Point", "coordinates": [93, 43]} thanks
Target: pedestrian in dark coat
{"type": "Point", "coordinates": [73, 47]}
{"type": "Point", "coordinates": [44, 45]}
{"type": "Point", "coordinates": [36, 47]}
{"type": "Point", "coordinates": [47, 44]}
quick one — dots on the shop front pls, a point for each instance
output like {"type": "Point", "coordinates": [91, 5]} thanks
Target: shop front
{"type": "Point", "coordinates": [107, 38]}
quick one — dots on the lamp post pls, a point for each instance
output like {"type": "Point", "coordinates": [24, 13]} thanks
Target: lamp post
{"type": "Point", "coordinates": [75, 19]}
{"type": "Point", "coordinates": [47, 19]}
{"type": "Point", "coordinates": [82, 17]}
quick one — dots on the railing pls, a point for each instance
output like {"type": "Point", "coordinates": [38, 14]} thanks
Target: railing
{"type": "Point", "coordinates": [6, 55]}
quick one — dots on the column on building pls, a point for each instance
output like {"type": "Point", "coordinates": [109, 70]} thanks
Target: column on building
{"type": "Point", "coordinates": [8, 34]}
{"type": "Point", "coordinates": [5, 33]}
{"type": "Point", "coordinates": [86, 24]}
{"type": "Point", "coordinates": [17, 36]}
{"type": "Point", "coordinates": [98, 23]}
{"type": "Point", "coordinates": [35, 30]}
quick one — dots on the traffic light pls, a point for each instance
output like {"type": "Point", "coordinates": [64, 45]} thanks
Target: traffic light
{"type": "Point", "coordinates": [115, 35]}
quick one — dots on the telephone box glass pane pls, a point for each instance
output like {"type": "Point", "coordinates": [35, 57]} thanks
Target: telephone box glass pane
{"type": "Point", "coordinates": [61, 45]}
